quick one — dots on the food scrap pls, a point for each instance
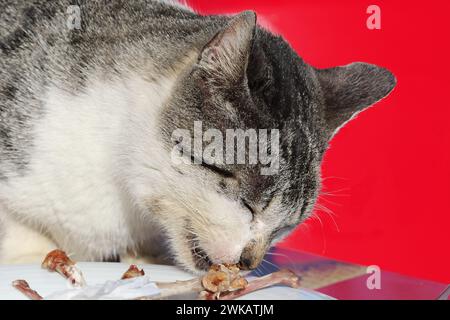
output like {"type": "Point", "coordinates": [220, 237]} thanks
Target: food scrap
{"type": "Point", "coordinates": [24, 287]}
{"type": "Point", "coordinates": [223, 278]}
{"type": "Point", "coordinates": [133, 272]}
{"type": "Point", "coordinates": [221, 282]}
{"type": "Point", "coordinates": [224, 282]}
{"type": "Point", "coordinates": [57, 260]}
{"type": "Point", "coordinates": [282, 277]}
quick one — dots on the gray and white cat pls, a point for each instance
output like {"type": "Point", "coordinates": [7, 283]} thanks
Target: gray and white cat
{"type": "Point", "coordinates": [86, 122]}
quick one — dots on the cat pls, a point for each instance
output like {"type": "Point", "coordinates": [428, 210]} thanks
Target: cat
{"type": "Point", "coordinates": [87, 115]}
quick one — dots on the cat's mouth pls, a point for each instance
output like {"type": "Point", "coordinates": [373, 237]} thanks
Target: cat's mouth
{"type": "Point", "coordinates": [201, 259]}
{"type": "Point", "coordinates": [199, 256]}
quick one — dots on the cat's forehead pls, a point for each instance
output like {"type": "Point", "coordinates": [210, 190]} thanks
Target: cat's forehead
{"type": "Point", "coordinates": [299, 162]}
{"type": "Point", "coordinates": [278, 87]}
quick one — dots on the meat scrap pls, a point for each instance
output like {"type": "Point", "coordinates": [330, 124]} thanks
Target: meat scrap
{"type": "Point", "coordinates": [223, 278]}
{"type": "Point", "coordinates": [133, 272]}
{"type": "Point", "coordinates": [57, 260]}
{"type": "Point", "coordinates": [24, 287]}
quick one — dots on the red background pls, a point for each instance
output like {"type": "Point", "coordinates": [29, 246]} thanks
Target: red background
{"type": "Point", "coordinates": [388, 172]}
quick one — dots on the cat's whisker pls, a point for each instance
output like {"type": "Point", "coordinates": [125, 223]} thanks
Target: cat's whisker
{"type": "Point", "coordinates": [271, 263]}
{"type": "Point", "coordinates": [330, 213]}
{"type": "Point", "coordinates": [333, 177]}
{"type": "Point", "coordinates": [323, 198]}
{"type": "Point", "coordinates": [322, 207]}
{"type": "Point", "coordinates": [289, 259]}
{"type": "Point", "coordinates": [335, 193]}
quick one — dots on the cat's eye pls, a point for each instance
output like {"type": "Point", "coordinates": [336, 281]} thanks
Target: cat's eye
{"type": "Point", "coordinates": [219, 171]}
{"type": "Point", "coordinates": [213, 168]}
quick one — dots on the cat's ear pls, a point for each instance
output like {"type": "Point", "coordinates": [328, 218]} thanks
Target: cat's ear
{"type": "Point", "coordinates": [225, 56]}
{"type": "Point", "coordinates": [350, 89]}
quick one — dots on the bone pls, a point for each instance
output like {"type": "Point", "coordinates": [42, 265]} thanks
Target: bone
{"type": "Point", "coordinates": [133, 272]}
{"type": "Point", "coordinates": [57, 260]}
{"type": "Point", "coordinates": [24, 287]}
{"type": "Point", "coordinates": [177, 288]}
{"type": "Point", "coordinates": [283, 277]}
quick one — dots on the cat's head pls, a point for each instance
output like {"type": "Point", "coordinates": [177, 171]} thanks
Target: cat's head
{"type": "Point", "coordinates": [246, 78]}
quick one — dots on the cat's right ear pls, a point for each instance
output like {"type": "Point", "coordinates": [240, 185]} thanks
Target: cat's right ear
{"type": "Point", "coordinates": [225, 56]}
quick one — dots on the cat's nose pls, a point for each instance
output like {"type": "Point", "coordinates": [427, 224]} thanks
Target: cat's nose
{"type": "Point", "coordinates": [247, 263]}
{"type": "Point", "coordinates": [251, 256]}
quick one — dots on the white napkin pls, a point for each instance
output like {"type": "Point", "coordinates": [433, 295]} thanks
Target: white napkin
{"type": "Point", "coordinates": [110, 290]}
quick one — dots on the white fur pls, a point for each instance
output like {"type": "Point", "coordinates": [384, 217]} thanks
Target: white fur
{"type": "Point", "coordinates": [71, 190]}
{"type": "Point", "coordinates": [27, 245]}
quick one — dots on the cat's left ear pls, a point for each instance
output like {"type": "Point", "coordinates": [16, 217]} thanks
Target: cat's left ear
{"type": "Point", "coordinates": [225, 56]}
{"type": "Point", "coordinates": [349, 89]}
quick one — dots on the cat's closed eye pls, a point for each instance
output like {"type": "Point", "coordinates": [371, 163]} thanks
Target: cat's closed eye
{"type": "Point", "coordinates": [220, 171]}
